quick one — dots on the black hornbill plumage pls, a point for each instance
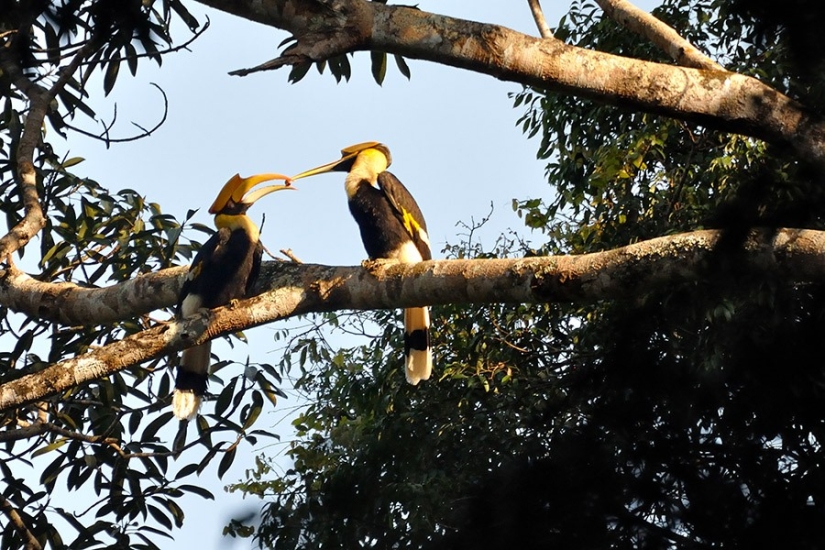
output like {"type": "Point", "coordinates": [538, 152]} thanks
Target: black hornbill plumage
{"type": "Point", "coordinates": [225, 269]}
{"type": "Point", "coordinates": [392, 227]}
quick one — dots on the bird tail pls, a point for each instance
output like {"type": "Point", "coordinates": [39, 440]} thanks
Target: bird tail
{"type": "Point", "coordinates": [418, 357]}
{"type": "Point", "coordinates": [190, 383]}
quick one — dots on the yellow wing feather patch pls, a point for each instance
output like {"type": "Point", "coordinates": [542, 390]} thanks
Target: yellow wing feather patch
{"type": "Point", "coordinates": [195, 271]}
{"type": "Point", "coordinates": [410, 223]}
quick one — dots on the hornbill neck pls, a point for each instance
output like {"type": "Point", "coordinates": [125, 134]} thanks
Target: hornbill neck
{"type": "Point", "coordinates": [238, 221]}
{"type": "Point", "coordinates": [368, 164]}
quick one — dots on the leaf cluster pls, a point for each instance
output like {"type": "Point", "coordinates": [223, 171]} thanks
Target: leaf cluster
{"type": "Point", "coordinates": [104, 464]}
{"type": "Point", "coordinates": [340, 68]}
{"type": "Point", "coordinates": [110, 441]}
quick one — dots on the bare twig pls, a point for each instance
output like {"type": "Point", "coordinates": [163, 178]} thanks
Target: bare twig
{"type": "Point", "coordinates": [541, 22]}
{"type": "Point", "coordinates": [39, 428]}
{"type": "Point", "coordinates": [104, 137]}
{"type": "Point", "coordinates": [289, 254]}
{"type": "Point", "coordinates": [173, 49]}
{"type": "Point", "coordinates": [662, 35]}
{"type": "Point", "coordinates": [183, 46]}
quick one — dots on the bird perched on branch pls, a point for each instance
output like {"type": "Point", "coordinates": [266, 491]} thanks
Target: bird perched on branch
{"type": "Point", "coordinates": [224, 269]}
{"type": "Point", "coordinates": [392, 227]}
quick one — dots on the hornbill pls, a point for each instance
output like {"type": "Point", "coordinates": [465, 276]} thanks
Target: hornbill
{"type": "Point", "coordinates": [392, 227]}
{"type": "Point", "coordinates": [225, 269]}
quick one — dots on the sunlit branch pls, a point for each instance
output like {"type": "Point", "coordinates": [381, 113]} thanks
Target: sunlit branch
{"type": "Point", "coordinates": [661, 34]}
{"type": "Point", "coordinates": [721, 100]}
{"type": "Point", "coordinates": [538, 16]}
{"type": "Point", "coordinates": [289, 289]}
{"type": "Point", "coordinates": [71, 304]}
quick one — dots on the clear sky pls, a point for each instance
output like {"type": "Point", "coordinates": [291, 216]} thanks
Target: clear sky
{"type": "Point", "coordinates": [452, 134]}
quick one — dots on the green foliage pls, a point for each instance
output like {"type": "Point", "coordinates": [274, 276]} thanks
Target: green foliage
{"type": "Point", "coordinates": [622, 176]}
{"type": "Point", "coordinates": [689, 417]}
{"type": "Point", "coordinates": [112, 445]}
{"type": "Point", "coordinates": [112, 440]}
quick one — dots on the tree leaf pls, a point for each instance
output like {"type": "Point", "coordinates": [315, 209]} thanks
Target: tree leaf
{"type": "Point", "coordinates": [402, 66]}
{"type": "Point", "coordinates": [226, 461]}
{"type": "Point", "coordinates": [111, 74]}
{"type": "Point", "coordinates": [379, 66]}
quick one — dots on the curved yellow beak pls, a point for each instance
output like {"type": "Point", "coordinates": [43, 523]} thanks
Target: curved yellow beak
{"type": "Point", "coordinates": [236, 189]}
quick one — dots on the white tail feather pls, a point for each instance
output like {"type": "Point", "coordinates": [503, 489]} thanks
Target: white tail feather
{"type": "Point", "coordinates": [193, 370]}
{"type": "Point", "coordinates": [418, 363]}
{"type": "Point", "coordinates": [419, 366]}
{"type": "Point", "coordinates": [185, 404]}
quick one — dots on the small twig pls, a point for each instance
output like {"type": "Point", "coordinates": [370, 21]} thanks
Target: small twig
{"type": "Point", "coordinates": [184, 46]}
{"type": "Point", "coordinates": [270, 254]}
{"type": "Point", "coordinates": [104, 137]}
{"type": "Point", "coordinates": [40, 428]}
{"type": "Point", "coordinates": [289, 254]}
{"type": "Point", "coordinates": [270, 65]}
{"type": "Point", "coordinates": [541, 22]}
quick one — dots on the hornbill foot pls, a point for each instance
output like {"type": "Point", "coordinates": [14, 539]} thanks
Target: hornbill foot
{"type": "Point", "coordinates": [378, 263]}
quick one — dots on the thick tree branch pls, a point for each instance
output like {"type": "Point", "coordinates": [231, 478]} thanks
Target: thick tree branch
{"type": "Point", "coordinates": [70, 304]}
{"type": "Point", "coordinates": [293, 289]}
{"type": "Point", "coordinates": [719, 99]}
{"type": "Point", "coordinates": [644, 24]}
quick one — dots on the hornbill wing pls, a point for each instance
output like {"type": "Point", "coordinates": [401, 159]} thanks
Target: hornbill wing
{"type": "Point", "coordinates": [407, 210]}
{"type": "Point", "coordinates": [209, 254]}
{"type": "Point", "coordinates": [418, 355]}
{"type": "Point", "coordinates": [256, 268]}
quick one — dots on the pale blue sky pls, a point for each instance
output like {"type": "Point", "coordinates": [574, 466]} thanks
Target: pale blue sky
{"type": "Point", "coordinates": [452, 134]}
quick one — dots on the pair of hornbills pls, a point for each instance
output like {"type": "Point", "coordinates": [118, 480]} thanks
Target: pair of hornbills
{"type": "Point", "coordinates": [226, 267]}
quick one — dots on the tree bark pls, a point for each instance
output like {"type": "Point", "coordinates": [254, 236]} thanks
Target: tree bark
{"type": "Point", "coordinates": [288, 289]}
{"type": "Point", "coordinates": [70, 304]}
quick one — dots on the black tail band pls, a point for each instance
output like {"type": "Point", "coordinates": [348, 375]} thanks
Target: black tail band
{"type": "Point", "coordinates": [194, 382]}
{"type": "Point", "coordinates": [417, 340]}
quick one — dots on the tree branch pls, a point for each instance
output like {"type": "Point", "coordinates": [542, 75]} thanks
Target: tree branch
{"type": "Point", "coordinates": [39, 101]}
{"type": "Point", "coordinates": [795, 255]}
{"type": "Point", "coordinates": [538, 16]}
{"type": "Point", "coordinates": [726, 101]}
{"type": "Point", "coordinates": [668, 40]}
{"type": "Point", "coordinates": [19, 524]}
{"type": "Point", "coordinates": [70, 304]}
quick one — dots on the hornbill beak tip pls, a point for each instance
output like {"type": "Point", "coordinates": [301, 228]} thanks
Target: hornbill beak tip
{"type": "Point", "coordinates": [236, 189]}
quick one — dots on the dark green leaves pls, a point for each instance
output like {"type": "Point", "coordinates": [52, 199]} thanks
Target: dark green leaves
{"type": "Point", "coordinates": [341, 69]}
{"type": "Point", "coordinates": [379, 66]}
